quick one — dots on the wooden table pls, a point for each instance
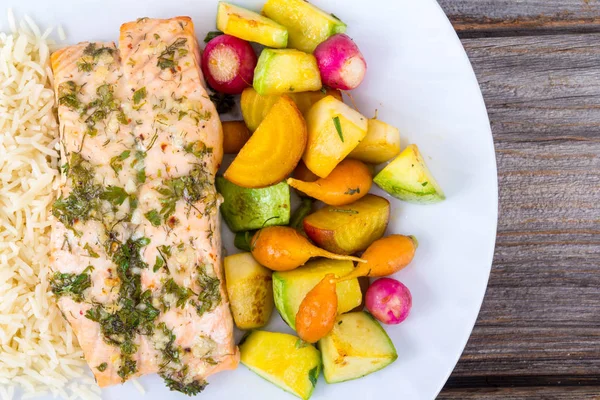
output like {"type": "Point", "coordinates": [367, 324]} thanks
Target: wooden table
{"type": "Point", "coordinates": [538, 333]}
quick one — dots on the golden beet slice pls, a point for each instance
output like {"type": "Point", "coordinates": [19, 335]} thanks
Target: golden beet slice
{"type": "Point", "coordinates": [273, 151]}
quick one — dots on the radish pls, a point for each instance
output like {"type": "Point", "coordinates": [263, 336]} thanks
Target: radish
{"type": "Point", "coordinates": [388, 300]}
{"type": "Point", "coordinates": [228, 64]}
{"type": "Point", "coordinates": [341, 63]}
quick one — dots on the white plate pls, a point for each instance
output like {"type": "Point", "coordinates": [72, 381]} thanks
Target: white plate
{"type": "Point", "coordinates": [420, 80]}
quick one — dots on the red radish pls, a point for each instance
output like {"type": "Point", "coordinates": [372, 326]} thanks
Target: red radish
{"type": "Point", "coordinates": [388, 300]}
{"type": "Point", "coordinates": [228, 64]}
{"type": "Point", "coordinates": [341, 64]}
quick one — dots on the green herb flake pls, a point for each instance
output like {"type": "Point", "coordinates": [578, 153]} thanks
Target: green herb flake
{"type": "Point", "coordinates": [139, 95]}
{"type": "Point", "coordinates": [424, 184]}
{"type": "Point", "coordinates": [190, 389]}
{"type": "Point", "coordinates": [154, 217]}
{"type": "Point", "coordinates": [91, 251]}
{"type": "Point", "coordinates": [190, 188]}
{"type": "Point", "coordinates": [210, 296]}
{"type": "Point", "coordinates": [158, 264]}
{"type": "Point", "coordinates": [211, 35]}
{"type": "Point", "coordinates": [115, 195]}
{"type": "Point", "coordinates": [198, 149]}
{"type": "Point", "coordinates": [166, 59]}
{"type": "Point", "coordinates": [83, 203]}
{"type": "Point", "coordinates": [67, 95]}
{"type": "Point", "coordinates": [338, 127]}
{"type": "Point", "coordinates": [351, 191]}
{"type": "Point", "coordinates": [140, 176]}
{"type": "Point", "coordinates": [102, 367]}
{"type": "Point", "coordinates": [116, 162]}
{"type": "Point", "coordinates": [182, 294]}
{"type": "Point", "coordinates": [72, 285]}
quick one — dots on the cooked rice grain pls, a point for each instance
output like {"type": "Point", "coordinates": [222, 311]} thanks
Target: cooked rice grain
{"type": "Point", "coordinates": [38, 351]}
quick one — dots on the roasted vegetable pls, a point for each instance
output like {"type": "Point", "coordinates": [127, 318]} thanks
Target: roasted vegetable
{"type": "Point", "coordinates": [235, 136]}
{"type": "Point", "coordinates": [246, 209]}
{"type": "Point", "coordinates": [251, 26]}
{"type": "Point", "coordinates": [250, 291]}
{"type": "Point", "coordinates": [307, 25]}
{"type": "Point", "coordinates": [349, 229]}
{"type": "Point", "coordinates": [228, 64]}
{"type": "Point", "coordinates": [255, 107]}
{"type": "Point", "coordinates": [341, 63]}
{"type": "Point", "coordinates": [349, 181]}
{"type": "Point", "coordinates": [274, 149]}
{"type": "Point", "coordinates": [385, 256]}
{"type": "Point", "coordinates": [408, 178]}
{"type": "Point", "coordinates": [282, 248]}
{"type": "Point", "coordinates": [282, 359]}
{"type": "Point", "coordinates": [334, 130]}
{"type": "Point", "coordinates": [317, 311]}
{"type": "Point", "coordinates": [290, 287]}
{"type": "Point", "coordinates": [356, 346]}
{"type": "Point", "coordinates": [388, 300]}
{"type": "Point", "coordinates": [381, 144]}
{"type": "Point", "coordinates": [286, 71]}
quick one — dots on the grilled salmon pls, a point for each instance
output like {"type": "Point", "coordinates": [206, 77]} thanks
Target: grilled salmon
{"type": "Point", "coordinates": [136, 249]}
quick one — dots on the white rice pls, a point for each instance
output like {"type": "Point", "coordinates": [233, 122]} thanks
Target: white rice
{"type": "Point", "coordinates": [38, 351]}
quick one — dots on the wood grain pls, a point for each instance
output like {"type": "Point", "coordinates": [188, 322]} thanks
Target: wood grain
{"type": "Point", "coordinates": [537, 393]}
{"type": "Point", "coordinates": [477, 18]}
{"type": "Point", "coordinates": [541, 316]}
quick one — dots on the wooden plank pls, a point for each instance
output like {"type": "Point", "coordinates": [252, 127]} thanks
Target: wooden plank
{"type": "Point", "coordinates": [541, 313]}
{"type": "Point", "coordinates": [476, 18]}
{"type": "Point", "coordinates": [537, 393]}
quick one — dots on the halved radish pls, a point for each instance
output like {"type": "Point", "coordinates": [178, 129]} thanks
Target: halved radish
{"type": "Point", "coordinates": [228, 64]}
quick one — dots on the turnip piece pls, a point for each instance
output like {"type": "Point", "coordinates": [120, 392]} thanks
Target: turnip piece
{"type": "Point", "coordinates": [228, 64]}
{"type": "Point", "coordinates": [388, 300]}
{"type": "Point", "coordinates": [341, 63]}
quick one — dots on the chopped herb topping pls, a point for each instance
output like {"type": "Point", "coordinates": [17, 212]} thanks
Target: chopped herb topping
{"type": "Point", "coordinates": [91, 55]}
{"type": "Point", "coordinates": [166, 59]}
{"type": "Point", "coordinates": [67, 95]}
{"type": "Point", "coordinates": [154, 217]}
{"type": "Point", "coordinates": [115, 195]}
{"type": "Point", "coordinates": [190, 188]}
{"type": "Point", "coordinates": [182, 294]}
{"type": "Point", "coordinates": [179, 381]}
{"type": "Point", "coordinates": [83, 202]}
{"type": "Point", "coordinates": [116, 162]}
{"type": "Point", "coordinates": [136, 314]}
{"type": "Point", "coordinates": [351, 191]}
{"type": "Point", "coordinates": [102, 367]}
{"type": "Point", "coordinates": [170, 353]}
{"type": "Point", "coordinates": [211, 35]}
{"type": "Point", "coordinates": [139, 95]}
{"type": "Point", "coordinates": [210, 296]}
{"type": "Point", "coordinates": [96, 52]}
{"type": "Point", "coordinates": [71, 284]}
{"type": "Point", "coordinates": [424, 184]}
{"type": "Point", "coordinates": [338, 127]}
{"type": "Point", "coordinates": [98, 109]}
{"type": "Point", "coordinates": [91, 251]}
{"type": "Point", "coordinates": [158, 264]}
{"type": "Point", "coordinates": [198, 149]}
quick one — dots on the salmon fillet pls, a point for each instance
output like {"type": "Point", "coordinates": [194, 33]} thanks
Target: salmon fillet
{"type": "Point", "coordinates": [135, 245]}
